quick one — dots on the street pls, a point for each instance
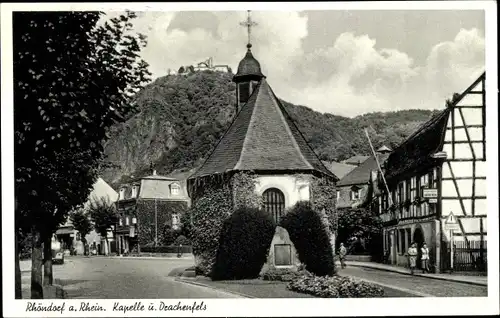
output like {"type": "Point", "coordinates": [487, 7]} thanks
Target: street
{"type": "Point", "coordinates": [126, 278]}
{"type": "Point", "coordinates": [143, 278]}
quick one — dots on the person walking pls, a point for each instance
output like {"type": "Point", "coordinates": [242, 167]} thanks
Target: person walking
{"type": "Point", "coordinates": [412, 254]}
{"type": "Point", "coordinates": [342, 254]}
{"type": "Point", "coordinates": [425, 258]}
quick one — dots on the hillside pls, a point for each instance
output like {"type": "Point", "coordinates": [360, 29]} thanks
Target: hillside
{"type": "Point", "coordinates": [182, 117]}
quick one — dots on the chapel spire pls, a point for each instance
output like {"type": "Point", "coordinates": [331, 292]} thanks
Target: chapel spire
{"type": "Point", "coordinates": [249, 73]}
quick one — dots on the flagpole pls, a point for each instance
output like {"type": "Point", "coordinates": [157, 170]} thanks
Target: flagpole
{"type": "Point", "coordinates": [379, 167]}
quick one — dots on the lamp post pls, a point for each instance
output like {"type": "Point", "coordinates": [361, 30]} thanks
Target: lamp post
{"type": "Point", "coordinates": [113, 228]}
{"type": "Point", "coordinates": [134, 224]}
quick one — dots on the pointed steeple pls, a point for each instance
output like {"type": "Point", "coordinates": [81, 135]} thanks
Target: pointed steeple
{"type": "Point", "coordinates": [249, 73]}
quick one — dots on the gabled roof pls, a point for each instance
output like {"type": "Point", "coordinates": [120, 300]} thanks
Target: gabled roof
{"type": "Point", "coordinates": [356, 160]}
{"type": "Point", "coordinates": [338, 169]}
{"type": "Point", "coordinates": [362, 173]}
{"type": "Point", "coordinates": [415, 152]}
{"type": "Point", "coordinates": [262, 137]}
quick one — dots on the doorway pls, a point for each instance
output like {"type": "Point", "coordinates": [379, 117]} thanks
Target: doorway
{"type": "Point", "coordinates": [419, 238]}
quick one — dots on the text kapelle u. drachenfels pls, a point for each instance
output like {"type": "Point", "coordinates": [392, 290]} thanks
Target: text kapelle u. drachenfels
{"type": "Point", "coordinates": [137, 306]}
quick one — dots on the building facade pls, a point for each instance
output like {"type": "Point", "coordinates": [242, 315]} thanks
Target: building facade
{"type": "Point", "coordinates": [147, 207]}
{"type": "Point", "coordinates": [71, 239]}
{"type": "Point", "coordinates": [438, 170]}
{"type": "Point", "coordinates": [355, 188]}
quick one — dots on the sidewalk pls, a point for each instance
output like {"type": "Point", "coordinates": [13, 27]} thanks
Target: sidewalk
{"type": "Point", "coordinates": [474, 280]}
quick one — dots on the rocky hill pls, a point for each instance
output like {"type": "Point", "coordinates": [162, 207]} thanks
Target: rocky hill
{"type": "Point", "coordinates": [182, 117]}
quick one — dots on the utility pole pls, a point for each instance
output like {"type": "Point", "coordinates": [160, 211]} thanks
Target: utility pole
{"type": "Point", "coordinates": [379, 167]}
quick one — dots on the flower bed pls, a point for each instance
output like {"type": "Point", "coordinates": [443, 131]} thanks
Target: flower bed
{"type": "Point", "coordinates": [280, 274]}
{"type": "Point", "coordinates": [334, 287]}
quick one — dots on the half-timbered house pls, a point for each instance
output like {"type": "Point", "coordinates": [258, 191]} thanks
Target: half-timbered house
{"type": "Point", "coordinates": [440, 169]}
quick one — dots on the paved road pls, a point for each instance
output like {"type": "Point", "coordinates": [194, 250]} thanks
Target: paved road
{"type": "Point", "coordinates": [128, 278]}
{"type": "Point", "coordinates": [131, 278]}
{"type": "Point", "coordinates": [426, 287]}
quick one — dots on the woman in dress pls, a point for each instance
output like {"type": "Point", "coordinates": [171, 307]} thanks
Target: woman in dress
{"type": "Point", "coordinates": [412, 254]}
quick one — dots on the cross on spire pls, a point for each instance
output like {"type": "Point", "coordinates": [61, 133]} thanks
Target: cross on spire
{"type": "Point", "coordinates": [249, 24]}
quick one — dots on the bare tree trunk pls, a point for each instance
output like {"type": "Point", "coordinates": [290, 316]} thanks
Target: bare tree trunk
{"type": "Point", "coordinates": [18, 284]}
{"type": "Point", "coordinates": [36, 266]}
{"type": "Point", "coordinates": [48, 277]}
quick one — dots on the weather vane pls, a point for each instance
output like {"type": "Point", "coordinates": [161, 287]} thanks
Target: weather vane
{"type": "Point", "coordinates": [249, 24]}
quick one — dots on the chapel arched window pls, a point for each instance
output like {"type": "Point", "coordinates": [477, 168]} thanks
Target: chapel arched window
{"type": "Point", "coordinates": [274, 203]}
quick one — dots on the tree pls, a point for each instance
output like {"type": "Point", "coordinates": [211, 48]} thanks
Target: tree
{"type": "Point", "coordinates": [104, 215]}
{"type": "Point", "coordinates": [81, 223]}
{"type": "Point", "coordinates": [359, 223]}
{"type": "Point", "coordinates": [73, 80]}
{"type": "Point", "coordinates": [186, 224]}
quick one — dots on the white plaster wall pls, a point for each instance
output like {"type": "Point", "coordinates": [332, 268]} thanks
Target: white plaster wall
{"type": "Point", "coordinates": [294, 188]}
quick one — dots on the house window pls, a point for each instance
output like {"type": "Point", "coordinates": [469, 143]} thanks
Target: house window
{"type": "Point", "coordinates": [413, 195]}
{"type": "Point", "coordinates": [120, 222]}
{"type": "Point", "coordinates": [134, 191]}
{"type": "Point", "coordinates": [398, 246]}
{"type": "Point", "coordinates": [174, 189]}
{"type": "Point", "coordinates": [418, 194]}
{"type": "Point", "coordinates": [126, 220]}
{"type": "Point", "coordinates": [274, 203]}
{"type": "Point", "coordinates": [355, 193]}
{"type": "Point", "coordinates": [402, 240]}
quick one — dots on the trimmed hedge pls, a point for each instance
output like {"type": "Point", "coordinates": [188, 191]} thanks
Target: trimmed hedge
{"type": "Point", "coordinates": [307, 232]}
{"type": "Point", "coordinates": [244, 244]}
{"type": "Point", "coordinates": [335, 287]}
{"type": "Point", "coordinates": [166, 249]}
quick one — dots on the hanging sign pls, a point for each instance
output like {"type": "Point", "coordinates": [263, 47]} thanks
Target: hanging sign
{"type": "Point", "coordinates": [430, 194]}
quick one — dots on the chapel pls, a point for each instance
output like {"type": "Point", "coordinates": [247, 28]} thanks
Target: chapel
{"type": "Point", "coordinates": [264, 140]}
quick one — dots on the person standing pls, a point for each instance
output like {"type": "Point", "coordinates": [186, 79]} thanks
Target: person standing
{"type": "Point", "coordinates": [425, 258]}
{"type": "Point", "coordinates": [342, 255]}
{"type": "Point", "coordinates": [412, 254]}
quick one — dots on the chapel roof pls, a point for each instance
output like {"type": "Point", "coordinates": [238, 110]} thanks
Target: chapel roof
{"type": "Point", "coordinates": [262, 137]}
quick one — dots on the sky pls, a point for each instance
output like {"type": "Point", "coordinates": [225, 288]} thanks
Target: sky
{"type": "Point", "coordinates": [346, 63]}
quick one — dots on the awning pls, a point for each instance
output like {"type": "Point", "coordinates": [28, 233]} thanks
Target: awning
{"type": "Point", "coordinates": [68, 230]}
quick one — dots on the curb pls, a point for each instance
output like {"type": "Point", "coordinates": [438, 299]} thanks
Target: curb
{"type": "Point", "coordinates": [192, 282]}
{"type": "Point", "coordinates": [449, 279]}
